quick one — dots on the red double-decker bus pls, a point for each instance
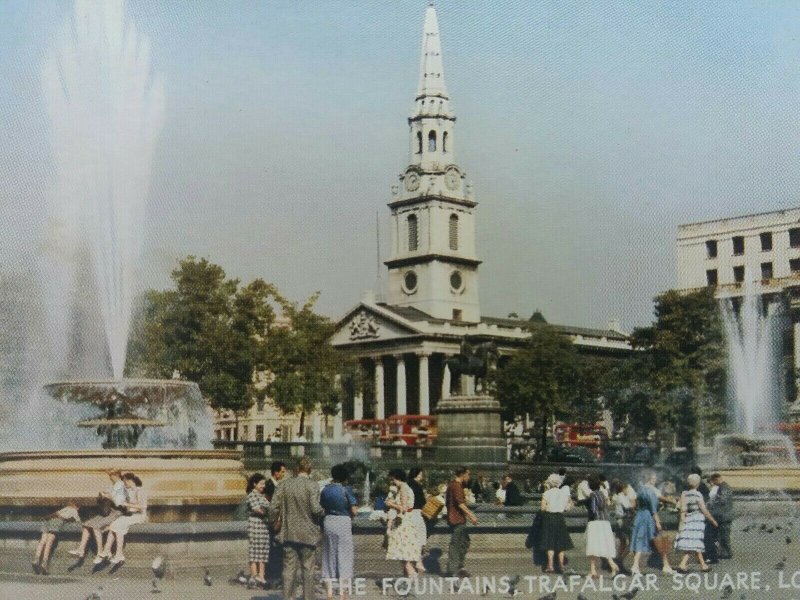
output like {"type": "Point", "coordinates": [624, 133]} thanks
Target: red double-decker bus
{"type": "Point", "coordinates": [410, 430]}
{"type": "Point", "coordinates": [590, 436]}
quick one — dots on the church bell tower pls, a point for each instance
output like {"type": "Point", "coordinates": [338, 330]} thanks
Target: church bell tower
{"type": "Point", "coordinates": [433, 265]}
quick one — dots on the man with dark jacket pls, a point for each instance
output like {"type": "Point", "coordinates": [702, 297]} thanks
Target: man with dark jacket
{"type": "Point", "coordinates": [513, 497]}
{"type": "Point", "coordinates": [275, 562]}
{"type": "Point", "coordinates": [720, 505]}
{"type": "Point", "coordinates": [295, 512]}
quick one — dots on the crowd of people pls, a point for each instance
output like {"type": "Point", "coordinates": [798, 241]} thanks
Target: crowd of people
{"type": "Point", "coordinates": [121, 506]}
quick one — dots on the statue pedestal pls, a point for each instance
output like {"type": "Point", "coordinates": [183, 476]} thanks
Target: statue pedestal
{"type": "Point", "coordinates": [470, 433]}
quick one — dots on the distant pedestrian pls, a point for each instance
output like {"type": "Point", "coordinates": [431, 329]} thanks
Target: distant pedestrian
{"type": "Point", "coordinates": [457, 514]}
{"type": "Point", "coordinates": [691, 533]}
{"type": "Point", "coordinates": [414, 481]}
{"type": "Point", "coordinates": [337, 529]}
{"type": "Point", "coordinates": [296, 514]}
{"type": "Point", "coordinates": [720, 505]}
{"type": "Point", "coordinates": [274, 567]}
{"type": "Point", "coordinates": [257, 531]}
{"type": "Point", "coordinates": [53, 525]}
{"type": "Point", "coordinates": [600, 541]}
{"type": "Point", "coordinates": [554, 538]}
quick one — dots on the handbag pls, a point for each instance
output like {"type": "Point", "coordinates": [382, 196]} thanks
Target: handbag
{"type": "Point", "coordinates": [662, 543]}
{"type": "Point", "coordinates": [433, 506]}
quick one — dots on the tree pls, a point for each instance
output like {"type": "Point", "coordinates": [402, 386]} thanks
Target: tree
{"type": "Point", "coordinates": [544, 379]}
{"type": "Point", "coordinates": [308, 373]}
{"type": "Point", "coordinates": [207, 330]}
{"type": "Point", "coordinates": [675, 381]}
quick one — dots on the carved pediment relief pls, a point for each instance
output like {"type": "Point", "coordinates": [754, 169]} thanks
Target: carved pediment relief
{"type": "Point", "coordinates": [364, 326]}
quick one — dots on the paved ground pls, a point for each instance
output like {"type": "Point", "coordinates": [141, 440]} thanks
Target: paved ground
{"type": "Point", "coordinates": [766, 566]}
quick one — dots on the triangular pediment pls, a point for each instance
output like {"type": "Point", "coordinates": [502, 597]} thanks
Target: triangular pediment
{"type": "Point", "coordinates": [367, 324]}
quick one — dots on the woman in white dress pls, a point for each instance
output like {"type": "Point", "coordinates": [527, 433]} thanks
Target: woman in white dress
{"type": "Point", "coordinates": [401, 531]}
{"type": "Point", "coordinates": [599, 537]}
{"type": "Point", "coordinates": [137, 513]}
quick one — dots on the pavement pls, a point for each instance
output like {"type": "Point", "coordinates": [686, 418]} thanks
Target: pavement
{"type": "Point", "coordinates": [766, 565]}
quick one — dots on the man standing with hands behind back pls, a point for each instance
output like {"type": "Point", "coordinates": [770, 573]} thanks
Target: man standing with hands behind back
{"type": "Point", "coordinates": [457, 514]}
{"type": "Point", "coordinates": [295, 513]}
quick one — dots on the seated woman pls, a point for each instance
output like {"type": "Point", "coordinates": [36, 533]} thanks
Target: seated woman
{"type": "Point", "coordinates": [55, 523]}
{"type": "Point", "coordinates": [111, 503]}
{"type": "Point", "coordinates": [136, 507]}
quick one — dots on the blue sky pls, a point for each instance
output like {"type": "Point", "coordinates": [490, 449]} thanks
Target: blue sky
{"type": "Point", "coordinates": [589, 131]}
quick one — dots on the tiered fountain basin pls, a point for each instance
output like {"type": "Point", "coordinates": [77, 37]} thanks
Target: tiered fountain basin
{"type": "Point", "coordinates": [757, 463]}
{"type": "Point", "coordinates": [181, 485]}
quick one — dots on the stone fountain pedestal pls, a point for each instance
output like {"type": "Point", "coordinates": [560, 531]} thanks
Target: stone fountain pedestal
{"type": "Point", "coordinates": [470, 433]}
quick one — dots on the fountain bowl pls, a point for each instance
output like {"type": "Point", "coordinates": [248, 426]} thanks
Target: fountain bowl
{"type": "Point", "coordinates": [754, 463]}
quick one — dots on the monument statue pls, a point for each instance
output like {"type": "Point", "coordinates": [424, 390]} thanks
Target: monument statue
{"type": "Point", "coordinates": [476, 360]}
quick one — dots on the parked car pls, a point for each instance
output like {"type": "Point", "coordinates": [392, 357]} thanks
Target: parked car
{"type": "Point", "coordinates": [571, 454]}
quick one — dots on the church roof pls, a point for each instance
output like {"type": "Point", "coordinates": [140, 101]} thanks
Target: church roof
{"type": "Point", "coordinates": [566, 329]}
{"type": "Point", "coordinates": [409, 313]}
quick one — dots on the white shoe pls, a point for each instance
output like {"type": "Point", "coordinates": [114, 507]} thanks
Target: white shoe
{"type": "Point", "coordinates": [99, 559]}
{"type": "Point", "coordinates": [75, 552]}
{"type": "Point", "coordinates": [117, 559]}
{"type": "Point", "coordinates": [635, 571]}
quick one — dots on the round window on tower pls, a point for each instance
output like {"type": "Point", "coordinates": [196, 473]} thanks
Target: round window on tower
{"type": "Point", "coordinates": [410, 282]}
{"type": "Point", "coordinates": [456, 282]}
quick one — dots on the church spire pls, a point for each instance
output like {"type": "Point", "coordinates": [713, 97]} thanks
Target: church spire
{"type": "Point", "coordinates": [431, 71]}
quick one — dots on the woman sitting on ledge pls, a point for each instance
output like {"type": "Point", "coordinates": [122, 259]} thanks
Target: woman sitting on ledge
{"type": "Point", "coordinates": [136, 507]}
{"type": "Point", "coordinates": [110, 504]}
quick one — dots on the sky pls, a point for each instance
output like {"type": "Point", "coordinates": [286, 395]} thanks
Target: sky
{"type": "Point", "coordinates": [589, 131]}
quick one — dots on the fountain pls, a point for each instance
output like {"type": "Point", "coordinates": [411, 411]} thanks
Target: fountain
{"type": "Point", "coordinates": [106, 110]}
{"type": "Point", "coordinates": [756, 456]}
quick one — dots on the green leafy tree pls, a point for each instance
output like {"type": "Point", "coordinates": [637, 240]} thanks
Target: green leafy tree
{"type": "Point", "coordinates": [543, 379]}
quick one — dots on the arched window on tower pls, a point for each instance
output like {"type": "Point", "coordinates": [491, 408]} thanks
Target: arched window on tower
{"type": "Point", "coordinates": [419, 142]}
{"type": "Point", "coordinates": [453, 232]}
{"type": "Point", "coordinates": [412, 233]}
{"type": "Point", "coordinates": [444, 142]}
{"type": "Point", "coordinates": [432, 141]}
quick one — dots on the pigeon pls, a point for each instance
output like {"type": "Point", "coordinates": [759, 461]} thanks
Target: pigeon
{"type": "Point", "coordinates": [97, 594]}
{"type": "Point", "coordinates": [240, 578]}
{"type": "Point", "coordinates": [780, 564]}
{"type": "Point", "coordinates": [582, 597]}
{"type": "Point", "coordinates": [770, 530]}
{"type": "Point", "coordinates": [630, 595]}
{"type": "Point", "coordinates": [727, 590]}
{"type": "Point", "coordinates": [158, 567]}
{"type": "Point", "coordinates": [207, 578]}
{"type": "Point", "coordinates": [550, 596]}
{"type": "Point", "coordinates": [512, 586]}
{"type": "Point", "coordinates": [746, 528]}
{"type": "Point", "coordinates": [788, 540]}
{"type": "Point", "coordinates": [155, 589]}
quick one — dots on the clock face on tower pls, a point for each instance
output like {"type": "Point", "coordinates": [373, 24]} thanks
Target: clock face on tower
{"type": "Point", "coordinates": [412, 181]}
{"type": "Point", "coordinates": [452, 178]}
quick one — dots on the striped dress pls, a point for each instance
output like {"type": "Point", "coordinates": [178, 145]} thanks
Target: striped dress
{"type": "Point", "coordinates": [691, 534]}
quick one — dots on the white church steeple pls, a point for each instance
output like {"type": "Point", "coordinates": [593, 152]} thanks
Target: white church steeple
{"type": "Point", "coordinates": [433, 264]}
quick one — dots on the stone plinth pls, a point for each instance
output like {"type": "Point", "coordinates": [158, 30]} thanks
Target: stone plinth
{"type": "Point", "coordinates": [470, 432]}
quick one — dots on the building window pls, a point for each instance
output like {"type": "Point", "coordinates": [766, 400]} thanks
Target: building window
{"type": "Point", "coordinates": [794, 265]}
{"type": "Point", "coordinates": [419, 142]}
{"type": "Point", "coordinates": [766, 241]}
{"type": "Point", "coordinates": [431, 141]}
{"type": "Point", "coordinates": [444, 142]}
{"type": "Point", "coordinates": [738, 274]}
{"type": "Point", "coordinates": [711, 277]}
{"type": "Point", "coordinates": [410, 282]}
{"type": "Point", "coordinates": [457, 314]}
{"type": "Point", "coordinates": [413, 239]}
{"type": "Point", "coordinates": [794, 237]}
{"type": "Point", "coordinates": [711, 248]}
{"type": "Point", "coordinates": [738, 245]}
{"type": "Point", "coordinates": [766, 270]}
{"type": "Point", "coordinates": [453, 232]}
{"type": "Point", "coordinates": [259, 433]}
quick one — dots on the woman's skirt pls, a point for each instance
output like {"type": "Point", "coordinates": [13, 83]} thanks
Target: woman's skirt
{"type": "Point", "coordinates": [691, 535]}
{"type": "Point", "coordinates": [421, 530]}
{"type": "Point", "coordinates": [600, 540]}
{"type": "Point", "coordinates": [403, 541]}
{"type": "Point", "coordinates": [337, 547]}
{"type": "Point", "coordinates": [123, 524]}
{"type": "Point", "coordinates": [100, 522]}
{"type": "Point", "coordinates": [258, 537]}
{"type": "Point", "coordinates": [553, 534]}
{"type": "Point", "coordinates": [643, 532]}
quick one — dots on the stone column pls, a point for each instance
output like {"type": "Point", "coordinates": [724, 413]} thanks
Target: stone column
{"type": "Point", "coordinates": [358, 406]}
{"type": "Point", "coordinates": [446, 382]}
{"type": "Point", "coordinates": [338, 425]}
{"type": "Point", "coordinates": [380, 408]}
{"type": "Point", "coordinates": [402, 409]}
{"type": "Point", "coordinates": [424, 392]}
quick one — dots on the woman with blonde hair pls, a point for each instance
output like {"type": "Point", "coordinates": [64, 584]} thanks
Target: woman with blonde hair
{"type": "Point", "coordinates": [691, 532]}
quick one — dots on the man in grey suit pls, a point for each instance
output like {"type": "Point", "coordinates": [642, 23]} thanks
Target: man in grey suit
{"type": "Point", "coordinates": [296, 513]}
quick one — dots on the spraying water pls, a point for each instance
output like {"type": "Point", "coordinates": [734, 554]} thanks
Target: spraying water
{"type": "Point", "coordinates": [106, 111]}
{"type": "Point", "coordinates": [755, 372]}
